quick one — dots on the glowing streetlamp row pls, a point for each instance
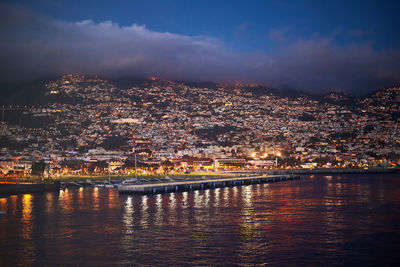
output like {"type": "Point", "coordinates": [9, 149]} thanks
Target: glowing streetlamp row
{"type": "Point", "coordinates": [254, 155]}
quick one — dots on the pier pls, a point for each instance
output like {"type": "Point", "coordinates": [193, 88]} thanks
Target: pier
{"type": "Point", "coordinates": [180, 186]}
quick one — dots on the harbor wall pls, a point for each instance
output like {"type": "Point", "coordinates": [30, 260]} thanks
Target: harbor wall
{"type": "Point", "coordinates": [14, 189]}
{"type": "Point", "coordinates": [7, 189]}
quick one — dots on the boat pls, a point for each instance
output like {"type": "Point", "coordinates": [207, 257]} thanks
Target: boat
{"type": "Point", "coordinates": [74, 184]}
{"type": "Point", "coordinates": [109, 184]}
{"type": "Point", "coordinates": [131, 180]}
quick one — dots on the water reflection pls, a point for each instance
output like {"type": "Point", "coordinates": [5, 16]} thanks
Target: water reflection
{"type": "Point", "coordinates": [172, 200]}
{"type": "Point", "coordinates": [159, 210]}
{"type": "Point", "coordinates": [277, 223]}
{"type": "Point", "coordinates": [144, 214]}
{"type": "Point", "coordinates": [128, 216]}
{"type": "Point", "coordinates": [26, 216]}
{"type": "Point", "coordinates": [50, 202]}
{"type": "Point", "coordinates": [13, 205]}
{"type": "Point", "coordinates": [184, 195]}
{"type": "Point", "coordinates": [217, 196]}
{"type": "Point", "coordinates": [197, 198]}
{"type": "Point", "coordinates": [26, 207]}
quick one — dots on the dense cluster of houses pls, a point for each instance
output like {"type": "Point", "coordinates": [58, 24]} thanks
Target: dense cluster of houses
{"type": "Point", "coordinates": [92, 126]}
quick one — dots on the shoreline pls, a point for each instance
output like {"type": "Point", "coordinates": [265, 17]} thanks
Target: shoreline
{"type": "Point", "coordinates": [101, 178]}
{"type": "Point", "coordinates": [334, 171]}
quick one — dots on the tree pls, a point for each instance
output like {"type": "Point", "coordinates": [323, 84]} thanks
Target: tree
{"type": "Point", "coordinates": [306, 117]}
{"type": "Point", "coordinates": [38, 168]}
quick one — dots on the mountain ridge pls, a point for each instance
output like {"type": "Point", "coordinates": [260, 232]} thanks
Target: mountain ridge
{"type": "Point", "coordinates": [33, 92]}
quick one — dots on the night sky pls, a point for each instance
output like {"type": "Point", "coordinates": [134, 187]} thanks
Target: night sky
{"type": "Point", "coordinates": [314, 46]}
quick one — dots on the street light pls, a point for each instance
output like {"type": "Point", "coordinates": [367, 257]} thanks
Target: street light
{"type": "Point", "coordinates": [278, 154]}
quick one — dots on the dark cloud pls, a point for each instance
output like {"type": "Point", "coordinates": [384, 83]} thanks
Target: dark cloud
{"type": "Point", "coordinates": [32, 45]}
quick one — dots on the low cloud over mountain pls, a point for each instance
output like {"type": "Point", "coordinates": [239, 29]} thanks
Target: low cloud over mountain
{"type": "Point", "coordinates": [33, 45]}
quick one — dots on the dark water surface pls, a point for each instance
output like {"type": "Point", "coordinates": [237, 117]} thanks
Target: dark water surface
{"type": "Point", "coordinates": [318, 220]}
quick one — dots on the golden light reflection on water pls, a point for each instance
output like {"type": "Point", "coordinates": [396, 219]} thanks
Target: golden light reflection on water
{"type": "Point", "coordinates": [3, 203]}
{"type": "Point", "coordinates": [26, 206]}
{"type": "Point", "coordinates": [338, 187]}
{"type": "Point", "coordinates": [171, 208]}
{"type": "Point", "coordinates": [198, 199]}
{"type": "Point", "coordinates": [66, 199]}
{"type": "Point", "coordinates": [49, 202]}
{"type": "Point", "coordinates": [247, 224]}
{"type": "Point", "coordinates": [96, 204]}
{"type": "Point", "coordinates": [80, 199]}
{"type": "Point", "coordinates": [172, 201]}
{"type": "Point", "coordinates": [247, 207]}
{"type": "Point", "coordinates": [235, 192]}
{"type": "Point", "coordinates": [129, 205]}
{"type": "Point", "coordinates": [227, 194]}
{"type": "Point", "coordinates": [184, 198]}
{"type": "Point", "coordinates": [207, 198]}
{"type": "Point", "coordinates": [258, 188]}
{"type": "Point", "coordinates": [27, 216]}
{"type": "Point", "coordinates": [217, 194]}
{"type": "Point", "coordinates": [13, 204]}
{"type": "Point", "coordinates": [61, 195]}
{"type": "Point", "coordinates": [246, 196]}
{"type": "Point", "coordinates": [112, 196]}
{"type": "Point", "coordinates": [128, 215]}
{"type": "Point", "coordinates": [144, 220]}
{"type": "Point", "coordinates": [159, 210]}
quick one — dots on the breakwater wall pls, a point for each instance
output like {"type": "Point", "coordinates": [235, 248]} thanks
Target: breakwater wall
{"type": "Point", "coordinates": [7, 189]}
